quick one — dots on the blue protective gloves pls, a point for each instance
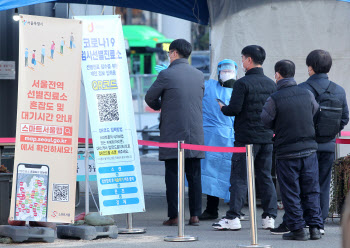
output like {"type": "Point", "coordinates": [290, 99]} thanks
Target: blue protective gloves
{"type": "Point", "coordinates": [161, 67]}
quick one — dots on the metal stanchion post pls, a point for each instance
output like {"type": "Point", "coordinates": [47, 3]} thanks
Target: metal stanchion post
{"type": "Point", "coordinates": [336, 156]}
{"type": "Point", "coordinates": [337, 153]}
{"type": "Point", "coordinates": [181, 199]}
{"type": "Point", "coordinates": [129, 229]}
{"type": "Point", "coordinates": [251, 199]}
{"type": "Point", "coordinates": [87, 207]}
{"type": "Point", "coordinates": [139, 98]}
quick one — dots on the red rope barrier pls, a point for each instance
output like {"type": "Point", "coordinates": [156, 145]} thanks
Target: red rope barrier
{"type": "Point", "coordinates": [213, 148]}
{"type": "Point", "coordinates": [7, 140]}
{"type": "Point", "coordinates": [194, 147]}
{"type": "Point", "coordinates": [157, 144]}
{"type": "Point", "coordinates": [190, 146]}
{"type": "Point", "coordinates": [342, 141]}
{"type": "Point", "coordinates": [165, 145]}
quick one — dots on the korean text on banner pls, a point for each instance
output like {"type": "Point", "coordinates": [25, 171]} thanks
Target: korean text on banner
{"type": "Point", "coordinates": [108, 94]}
{"type": "Point", "coordinates": [47, 120]}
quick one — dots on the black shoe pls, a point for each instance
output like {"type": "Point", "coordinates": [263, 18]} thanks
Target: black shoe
{"type": "Point", "coordinates": [208, 216]}
{"type": "Point", "coordinates": [299, 234]}
{"type": "Point", "coordinates": [281, 229]}
{"type": "Point", "coordinates": [315, 233]}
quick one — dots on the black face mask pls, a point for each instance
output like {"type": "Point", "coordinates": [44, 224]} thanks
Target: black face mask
{"type": "Point", "coordinates": [227, 84]}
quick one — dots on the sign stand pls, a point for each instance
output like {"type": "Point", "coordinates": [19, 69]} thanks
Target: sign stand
{"type": "Point", "coordinates": [87, 206]}
{"type": "Point", "coordinates": [251, 199]}
{"type": "Point", "coordinates": [181, 199]}
{"type": "Point", "coordinates": [129, 229]}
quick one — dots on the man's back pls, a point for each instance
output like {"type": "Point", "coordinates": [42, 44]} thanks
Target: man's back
{"type": "Point", "coordinates": [322, 80]}
{"type": "Point", "coordinates": [181, 88]}
{"type": "Point", "coordinates": [185, 87]}
{"type": "Point", "coordinates": [294, 131]}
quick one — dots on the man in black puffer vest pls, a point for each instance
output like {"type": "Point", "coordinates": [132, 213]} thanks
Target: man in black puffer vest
{"type": "Point", "coordinates": [289, 112]}
{"type": "Point", "coordinates": [248, 97]}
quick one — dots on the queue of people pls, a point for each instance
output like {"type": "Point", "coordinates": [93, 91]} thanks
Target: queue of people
{"type": "Point", "coordinates": [296, 122]}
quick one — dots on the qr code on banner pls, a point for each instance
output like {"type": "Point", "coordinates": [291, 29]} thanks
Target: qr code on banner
{"type": "Point", "coordinates": [108, 107]}
{"type": "Point", "coordinates": [60, 192]}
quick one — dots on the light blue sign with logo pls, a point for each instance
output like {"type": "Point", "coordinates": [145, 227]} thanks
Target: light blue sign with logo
{"type": "Point", "coordinates": [107, 86]}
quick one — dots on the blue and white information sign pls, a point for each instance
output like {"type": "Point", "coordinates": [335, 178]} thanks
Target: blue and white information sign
{"type": "Point", "coordinates": [108, 94]}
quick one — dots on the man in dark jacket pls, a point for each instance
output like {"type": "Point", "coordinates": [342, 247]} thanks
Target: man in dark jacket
{"type": "Point", "coordinates": [178, 92]}
{"type": "Point", "coordinates": [248, 97]}
{"type": "Point", "coordinates": [319, 63]}
{"type": "Point", "coordinates": [289, 112]}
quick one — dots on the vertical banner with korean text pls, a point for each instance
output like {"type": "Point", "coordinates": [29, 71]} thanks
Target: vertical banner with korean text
{"type": "Point", "coordinates": [108, 93]}
{"type": "Point", "coordinates": [45, 164]}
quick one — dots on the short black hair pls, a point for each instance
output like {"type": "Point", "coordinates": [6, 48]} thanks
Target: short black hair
{"type": "Point", "coordinates": [286, 68]}
{"type": "Point", "coordinates": [182, 46]}
{"type": "Point", "coordinates": [257, 53]}
{"type": "Point", "coordinates": [320, 61]}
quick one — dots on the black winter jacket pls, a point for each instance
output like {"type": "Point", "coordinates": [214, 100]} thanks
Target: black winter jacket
{"type": "Point", "coordinates": [248, 97]}
{"type": "Point", "coordinates": [323, 81]}
{"type": "Point", "coordinates": [289, 112]}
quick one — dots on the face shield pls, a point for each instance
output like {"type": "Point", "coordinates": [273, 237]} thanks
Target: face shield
{"type": "Point", "coordinates": [227, 69]}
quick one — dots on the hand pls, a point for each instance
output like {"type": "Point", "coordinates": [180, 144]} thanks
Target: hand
{"type": "Point", "coordinates": [220, 104]}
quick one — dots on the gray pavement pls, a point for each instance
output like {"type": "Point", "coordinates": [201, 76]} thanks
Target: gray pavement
{"type": "Point", "coordinates": [154, 187]}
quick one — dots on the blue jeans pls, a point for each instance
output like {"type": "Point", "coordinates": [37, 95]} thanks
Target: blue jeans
{"type": "Point", "coordinates": [300, 190]}
{"type": "Point", "coordinates": [325, 162]}
{"type": "Point", "coordinates": [238, 180]}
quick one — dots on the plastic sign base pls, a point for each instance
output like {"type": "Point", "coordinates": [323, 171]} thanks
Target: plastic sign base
{"type": "Point", "coordinates": [26, 233]}
{"type": "Point", "coordinates": [86, 232]}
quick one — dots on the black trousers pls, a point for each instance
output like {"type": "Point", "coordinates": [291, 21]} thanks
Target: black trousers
{"type": "Point", "coordinates": [238, 180]}
{"type": "Point", "coordinates": [212, 204]}
{"type": "Point", "coordinates": [300, 190]}
{"type": "Point", "coordinates": [193, 176]}
{"type": "Point", "coordinates": [325, 163]}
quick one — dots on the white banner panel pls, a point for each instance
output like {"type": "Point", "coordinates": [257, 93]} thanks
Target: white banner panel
{"type": "Point", "coordinates": [108, 94]}
{"type": "Point", "coordinates": [47, 120]}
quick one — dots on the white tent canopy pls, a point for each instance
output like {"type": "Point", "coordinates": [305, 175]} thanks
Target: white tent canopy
{"type": "Point", "coordinates": [286, 30]}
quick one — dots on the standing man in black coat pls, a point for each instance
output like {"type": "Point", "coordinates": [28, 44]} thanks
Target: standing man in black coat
{"type": "Point", "coordinates": [289, 112]}
{"type": "Point", "coordinates": [319, 63]}
{"type": "Point", "coordinates": [248, 97]}
{"type": "Point", "coordinates": [178, 92]}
